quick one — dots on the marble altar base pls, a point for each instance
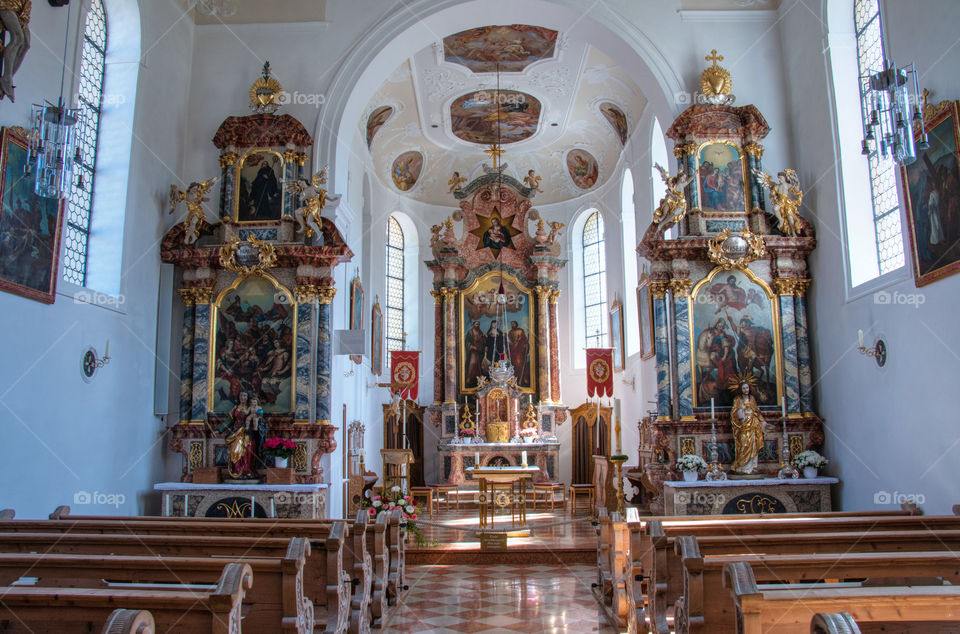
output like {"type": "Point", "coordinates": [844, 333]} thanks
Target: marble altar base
{"type": "Point", "coordinates": [286, 501]}
{"type": "Point", "coordinates": [743, 497]}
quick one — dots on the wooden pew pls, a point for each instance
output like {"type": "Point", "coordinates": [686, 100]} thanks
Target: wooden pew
{"type": "Point", "coordinates": [790, 608]}
{"type": "Point", "coordinates": [841, 623]}
{"type": "Point", "coordinates": [612, 569]}
{"type": "Point", "coordinates": [324, 581]}
{"type": "Point", "coordinates": [276, 602]}
{"type": "Point", "coordinates": [129, 622]}
{"type": "Point", "coordinates": [7, 514]}
{"type": "Point", "coordinates": [68, 610]}
{"type": "Point", "coordinates": [705, 607]}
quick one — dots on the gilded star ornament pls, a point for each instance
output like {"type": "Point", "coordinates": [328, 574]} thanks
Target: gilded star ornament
{"type": "Point", "coordinates": [495, 151]}
{"type": "Point", "coordinates": [486, 223]}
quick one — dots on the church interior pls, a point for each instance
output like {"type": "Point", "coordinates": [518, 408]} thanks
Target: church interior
{"type": "Point", "coordinates": [479, 316]}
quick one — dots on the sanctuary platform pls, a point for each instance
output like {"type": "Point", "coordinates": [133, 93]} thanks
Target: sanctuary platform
{"type": "Point", "coordinates": [748, 497]}
{"type": "Point", "coordinates": [286, 501]}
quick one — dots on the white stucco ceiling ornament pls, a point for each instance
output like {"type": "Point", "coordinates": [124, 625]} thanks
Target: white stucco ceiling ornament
{"type": "Point", "coordinates": [442, 82]}
{"type": "Point", "coordinates": [553, 81]}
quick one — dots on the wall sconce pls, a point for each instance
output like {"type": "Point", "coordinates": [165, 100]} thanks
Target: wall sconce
{"type": "Point", "coordinates": [632, 382]}
{"type": "Point", "coordinates": [89, 364]}
{"type": "Point", "coordinates": [878, 351]}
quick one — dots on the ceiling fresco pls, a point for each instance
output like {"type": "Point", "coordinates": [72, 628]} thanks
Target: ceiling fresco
{"type": "Point", "coordinates": [511, 48]}
{"type": "Point", "coordinates": [475, 117]}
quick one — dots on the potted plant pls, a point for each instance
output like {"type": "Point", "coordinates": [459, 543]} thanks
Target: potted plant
{"type": "Point", "coordinates": [280, 449]}
{"type": "Point", "coordinates": [809, 462]}
{"type": "Point", "coordinates": [409, 511]}
{"type": "Point", "coordinates": [690, 465]}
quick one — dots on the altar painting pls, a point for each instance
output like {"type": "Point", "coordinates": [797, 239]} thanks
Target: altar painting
{"type": "Point", "coordinates": [721, 178]}
{"type": "Point", "coordinates": [482, 343]}
{"type": "Point", "coordinates": [733, 323]}
{"type": "Point", "coordinates": [253, 346]}
{"type": "Point", "coordinates": [260, 186]}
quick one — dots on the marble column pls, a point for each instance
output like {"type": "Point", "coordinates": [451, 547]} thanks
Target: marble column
{"type": "Point", "coordinates": [186, 354]}
{"type": "Point", "coordinates": [784, 288]}
{"type": "Point", "coordinates": [658, 293]}
{"type": "Point", "coordinates": [438, 346]}
{"type": "Point", "coordinates": [754, 155]}
{"type": "Point", "coordinates": [201, 353]}
{"type": "Point", "coordinates": [306, 298]}
{"type": "Point", "coordinates": [450, 344]}
{"type": "Point", "coordinates": [555, 395]}
{"type": "Point", "coordinates": [324, 332]}
{"type": "Point", "coordinates": [803, 346]}
{"type": "Point", "coordinates": [228, 183]}
{"type": "Point", "coordinates": [542, 339]}
{"type": "Point", "coordinates": [680, 288]}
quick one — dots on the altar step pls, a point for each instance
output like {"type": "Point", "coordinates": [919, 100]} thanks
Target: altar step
{"type": "Point", "coordinates": [519, 555]}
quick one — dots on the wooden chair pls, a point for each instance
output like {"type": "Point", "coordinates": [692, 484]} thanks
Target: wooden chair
{"type": "Point", "coordinates": [582, 489]}
{"type": "Point", "coordinates": [548, 489]}
{"type": "Point", "coordinates": [446, 490]}
{"type": "Point", "coordinates": [426, 493]}
{"type": "Point", "coordinates": [396, 468]}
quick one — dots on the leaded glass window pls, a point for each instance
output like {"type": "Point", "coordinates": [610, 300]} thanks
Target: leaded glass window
{"type": "Point", "coordinates": [883, 176]}
{"type": "Point", "coordinates": [89, 101]}
{"type": "Point", "coordinates": [594, 281]}
{"type": "Point", "coordinates": [394, 285]}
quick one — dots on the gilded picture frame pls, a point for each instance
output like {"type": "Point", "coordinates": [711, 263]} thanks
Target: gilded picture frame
{"type": "Point", "coordinates": [645, 319]}
{"type": "Point", "coordinates": [616, 335]}
{"type": "Point", "coordinates": [260, 187]}
{"type": "Point", "coordinates": [740, 207]}
{"type": "Point", "coordinates": [356, 311]}
{"type": "Point", "coordinates": [376, 338]}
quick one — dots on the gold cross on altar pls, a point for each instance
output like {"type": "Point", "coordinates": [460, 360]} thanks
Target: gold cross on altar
{"type": "Point", "coordinates": [713, 57]}
{"type": "Point", "coordinates": [495, 151]}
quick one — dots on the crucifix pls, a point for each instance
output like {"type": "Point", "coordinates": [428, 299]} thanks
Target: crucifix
{"type": "Point", "coordinates": [495, 151]}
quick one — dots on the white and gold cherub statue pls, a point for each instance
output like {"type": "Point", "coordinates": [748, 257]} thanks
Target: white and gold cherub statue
{"type": "Point", "coordinates": [313, 198]}
{"type": "Point", "coordinates": [533, 181]}
{"type": "Point", "coordinates": [786, 196]}
{"type": "Point", "coordinates": [193, 198]}
{"type": "Point", "coordinates": [673, 206]}
{"type": "Point", "coordinates": [456, 182]}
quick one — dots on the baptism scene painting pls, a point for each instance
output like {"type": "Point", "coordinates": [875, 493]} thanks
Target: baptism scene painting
{"type": "Point", "coordinates": [721, 178]}
{"type": "Point", "coordinates": [491, 116]}
{"type": "Point", "coordinates": [932, 187]}
{"type": "Point", "coordinates": [507, 48]}
{"type": "Point", "coordinates": [483, 342]}
{"type": "Point", "coordinates": [253, 346]}
{"type": "Point", "coordinates": [583, 168]}
{"type": "Point", "coordinates": [29, 228]}
{"type": "Point", "coordinates": [406, 170]}
{"type": "Point", "coordinates": [260, 187]}
{"type": "Point", "coordinates": [733, 335]}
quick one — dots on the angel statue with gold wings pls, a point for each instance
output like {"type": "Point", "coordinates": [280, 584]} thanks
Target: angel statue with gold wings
{"type": "Point", "coordinates": [786, 196]}
{"type": "Point", "coordinates": [193, 198]}
{"type": "Point", "coordinates": [673, 206]}
{"type": "Point", "coordinates": [313, 198]}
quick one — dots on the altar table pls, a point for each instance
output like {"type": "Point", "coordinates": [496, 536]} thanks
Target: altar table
{"type": "Point", "coordinates": [741, 497]}
{"type": "Point", "coordinates": [515, 476]}
{"type": "Point", "coordinates": [287, 501]}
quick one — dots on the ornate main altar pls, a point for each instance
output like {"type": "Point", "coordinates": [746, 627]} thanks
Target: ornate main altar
{"type": "Point", "coordinates": [734, 377]}
{"type": "Point", "coordinates": [256, 288]}
{"type": "Point", "coordinates": [497, 376]}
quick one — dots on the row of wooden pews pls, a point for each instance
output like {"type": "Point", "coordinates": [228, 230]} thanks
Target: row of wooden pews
{"type": "Point", "coordinates": [71, 573]}
{"type": "Point", "coordinates": [879, 571]}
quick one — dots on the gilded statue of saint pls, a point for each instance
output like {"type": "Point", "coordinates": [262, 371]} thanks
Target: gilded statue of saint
{"type": "Point", "coordinates": [15, 22]}
{"type": "Point", "coordinates": [193, 198]}
{"type": "Point", "coordinates": [313, 198]}
{"type": "Point", "coordinates": [673, 206]}
{"type": "Point", "coordinates": [747, 424]}
{"type": "Point", "coordinates": [786, 197]}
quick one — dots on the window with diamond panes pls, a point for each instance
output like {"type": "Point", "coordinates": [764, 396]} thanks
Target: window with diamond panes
{"type": "Point", "coordinates": [394, 285]}
{"type": "Point", "coordinates": [89, 100]}
{"type": "Point", "coordinates": [883, 176]}
{"type": "Point", "coordinates": [594, 282]}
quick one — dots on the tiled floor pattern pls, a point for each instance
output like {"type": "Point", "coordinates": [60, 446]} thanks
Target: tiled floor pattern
{"type": "Point", "coordinates": [499, 598]}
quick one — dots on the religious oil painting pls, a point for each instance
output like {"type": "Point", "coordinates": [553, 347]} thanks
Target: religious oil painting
{"type": "Point", "coordinates": [734, 334]}
{"type": "Point", "coordinates": [721, 178]}
{"type": "Point", "coordinates": [492, 116]}
{"type": "Point", "coordinates": [260, 186]}
{"type": "Point", "coordinates": [489, 336]}
{"type": "Point", "coordinates": [645, 313]}
{"type": "Point", "coordinates": [616, 334]}
{"type": "Point", "coordinates": [377, 119]}
{"type": "Point", "coordinates": [583, 168]}
{"type": "Point", "coordinates": [406, 170]}
{"type": "Point", "coordinates": [507, 48]}
{"type": "Point", "coordinates": [29, 228]}
{"type": "Point", "coordinates": [932, 187]}
{"type": "Point", "coordinates": [356, 311]}
{"type": "Point", "coordinates": [376, 339]}
{"type": "Point", "coordinates": [617, 120]}
{"type": "Point", "coordinates": [253, 347]}
{"type": "Point", "coordinates": [495, 232]}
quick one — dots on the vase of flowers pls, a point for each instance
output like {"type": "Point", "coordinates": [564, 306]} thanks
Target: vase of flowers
{"type": "Point", "coordinates": [809, 462]}
{"type": "Point", "coordinates": [528, 434]}
{"type": "Point", "coordinates": [409, 511]}
{"type": "Point", "coordinates": [690, 465]}
{"type": "Point", "coordinates": [280, 449]}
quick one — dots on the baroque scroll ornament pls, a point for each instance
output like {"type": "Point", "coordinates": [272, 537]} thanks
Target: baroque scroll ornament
{"type": "Point", "coordinates": [731, 250]}
{"type": "Point", "coordinates": [266, 255]}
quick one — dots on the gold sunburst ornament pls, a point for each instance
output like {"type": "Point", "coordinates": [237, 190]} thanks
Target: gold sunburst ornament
{"type": "Point", "coordinates": [265, 93]}
{"type": "Point", "coordinates": [734, 382]}
{"type": "Point", "coordinates": [715, 81]}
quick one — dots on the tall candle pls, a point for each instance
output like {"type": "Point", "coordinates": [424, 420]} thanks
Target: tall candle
{"type": "Point", "coordinates": [106, 352]}
{"type": "Point", "coordinates": [712, 414]}
{"type": "Point", "coordinates": [783, 406]}
{"type": "Point", "coordinates": [476, 458]}
{"type": "Point", "coordinates": [616, 413]}
{"type": "Point", "coordinates": [523, 458]}
{"type": "Point", "coordinates": [860, 337]}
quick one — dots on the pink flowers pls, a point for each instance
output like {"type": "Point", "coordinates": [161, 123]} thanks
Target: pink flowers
{"type": "Point", "coordinates": [279, 447]}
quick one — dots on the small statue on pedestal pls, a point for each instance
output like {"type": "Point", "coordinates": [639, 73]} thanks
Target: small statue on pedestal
{"type": "Point", "coordinates": [786, 196]}
{"type": "Point", "coordinates": [246, 432]}
{"type": "Point", "coordinates": [673, 206]}
{"type": "Point", "coordinates": [747, 422]}
{"type": "Point", "coordinates": [313, 198]}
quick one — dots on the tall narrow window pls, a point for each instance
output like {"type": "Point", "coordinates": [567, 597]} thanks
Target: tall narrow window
{"type": "Point", "coordinates": [883, 178]}
{"type": "Point", "coordinates": [594, 281]}
{"type": "Point", "coordinates": [89, 100]}
{"type": "Point", "coordinates": [628, 224]}
{"type": "Point", "coordinates": [395, 328]}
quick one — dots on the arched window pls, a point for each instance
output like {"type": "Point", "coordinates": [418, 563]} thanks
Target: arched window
{"type": "Point", "coordinates": [395, 291]}
{"type": "Point", "coordinates": [628, 224]}
{"type": "Point", "coordinates": [659, 156]}
{"type": "Point", "coordinates": [594, 281]}
{"type": "Point", "coordinates": [93, 55]}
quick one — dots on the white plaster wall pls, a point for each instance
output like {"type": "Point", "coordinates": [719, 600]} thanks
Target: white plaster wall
{"type": "Point", "coordinates": [62, 435]}
{"type": "Point", "coordinates": [889, 430]}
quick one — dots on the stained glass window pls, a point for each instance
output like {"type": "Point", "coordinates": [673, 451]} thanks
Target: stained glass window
{"type": "Point", "coordinates": [594, 282]}
{"type": "Point", "coordinates": [883, 176]}
{"type": "Point", "coordinates": [394, 285]}
{"type": "Point", "coordinates": [89, 101]}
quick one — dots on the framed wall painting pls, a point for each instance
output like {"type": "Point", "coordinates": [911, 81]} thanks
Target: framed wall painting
{"type": "Point", "coordinates": [645, 319]}
{"type": "Point", "coordinates": [356, 311]}
{"type": "Point", "coordinates": [721, 178]}
{"type": "Point", "coordinates": [616, 334]}
{"type": "Point", "coordinates": [260, 186]}
{"type": "Point", "coordinates": [931, 188]}
{"type": "Point", "coordinates": [376, 339]}
{"type": "Point", "coordinates": [29, 227]}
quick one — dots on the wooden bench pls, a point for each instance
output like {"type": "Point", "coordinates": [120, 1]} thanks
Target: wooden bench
{"type": "Point", "coordinates": [841, 623]}
{"type": "Point", "coordinates": [789, 609]}
{"type": "Point", "coordinates": [705, 607]}
{"type": "Point", "coordinates": [68, 610]}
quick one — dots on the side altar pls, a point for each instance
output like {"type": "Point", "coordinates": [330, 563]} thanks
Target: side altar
{"type": "Point", "coordinates": [728, 252]}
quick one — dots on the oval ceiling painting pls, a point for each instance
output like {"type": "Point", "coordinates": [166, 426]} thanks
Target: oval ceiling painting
{"type": "Point", "coordinates": [583, 168]}
{"type": "Point", "coordinates": [406, 170]}
{"type": "Point", "coordinates": [474, 117]}
{"type": "Point", "coordinates": [616, 119]}
{"type": "Point", "coordinates": [509, 47]}
{"type": "Point", "coordinates": [376, 120]}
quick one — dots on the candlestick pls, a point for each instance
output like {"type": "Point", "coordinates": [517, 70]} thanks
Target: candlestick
{"type": "Point", "coordinates": [783, 406]}
{"type": "Point", "coordinates": [712, 413]}
{"type": "Point", "coordinates": [106, 351]}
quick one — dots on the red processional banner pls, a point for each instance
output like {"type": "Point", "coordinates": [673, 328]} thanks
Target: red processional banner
{"type": "Point", "coordinates": [599, 372]}
{"type": "Point", "coordinates": [405, 372]}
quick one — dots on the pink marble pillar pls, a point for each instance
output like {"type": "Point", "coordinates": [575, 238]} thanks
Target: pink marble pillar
{"type": "Point", "coordinates": [437, 347]}
{"type": "Point", "coordinates": [543, 337]}
{"type": "Point", "coordinates": [450, 345]}
{"type": "Point", "coordinates": [554, 349]}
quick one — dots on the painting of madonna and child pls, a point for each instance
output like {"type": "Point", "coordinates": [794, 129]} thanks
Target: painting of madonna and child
{"type": "Point", "coordinates": [721, 178]}
{"type": "Point", "coordinates": [733, 335]}
{"type": "Point", "coordinates": [253, 347]}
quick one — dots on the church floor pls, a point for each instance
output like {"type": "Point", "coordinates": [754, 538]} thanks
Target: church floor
{"type": "Point", "coordinates": [499, 598]}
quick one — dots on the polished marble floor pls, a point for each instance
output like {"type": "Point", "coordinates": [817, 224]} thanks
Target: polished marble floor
{"type": "Point", "coordinates": [499, 598]}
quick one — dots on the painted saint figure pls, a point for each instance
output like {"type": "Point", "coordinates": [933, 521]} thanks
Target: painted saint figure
{"type": "Point", "coordinates": [519, 347]}
{"type": "Point", "coordinates": [496, 237]}
{"type": "Point", "coordinates": [476, 344]}
{"type": "Point", "coordinates": [15, 21]}
{"type": "Point", "coordinates": [747, 425]}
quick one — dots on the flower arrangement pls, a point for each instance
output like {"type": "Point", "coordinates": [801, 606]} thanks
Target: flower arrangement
{"type": "Point", "coordinates": [528, 431]}
{"type": "Point", "coordinates": [279, 447]}
{"type": "Point", "coordinates": [468, 432]}
{"type": "Point", "coordinates": [409, 510]}
{"type": "Point", "coordinates": [691, 462]}
{"type": "Point", "coordinates": [809, 458]}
